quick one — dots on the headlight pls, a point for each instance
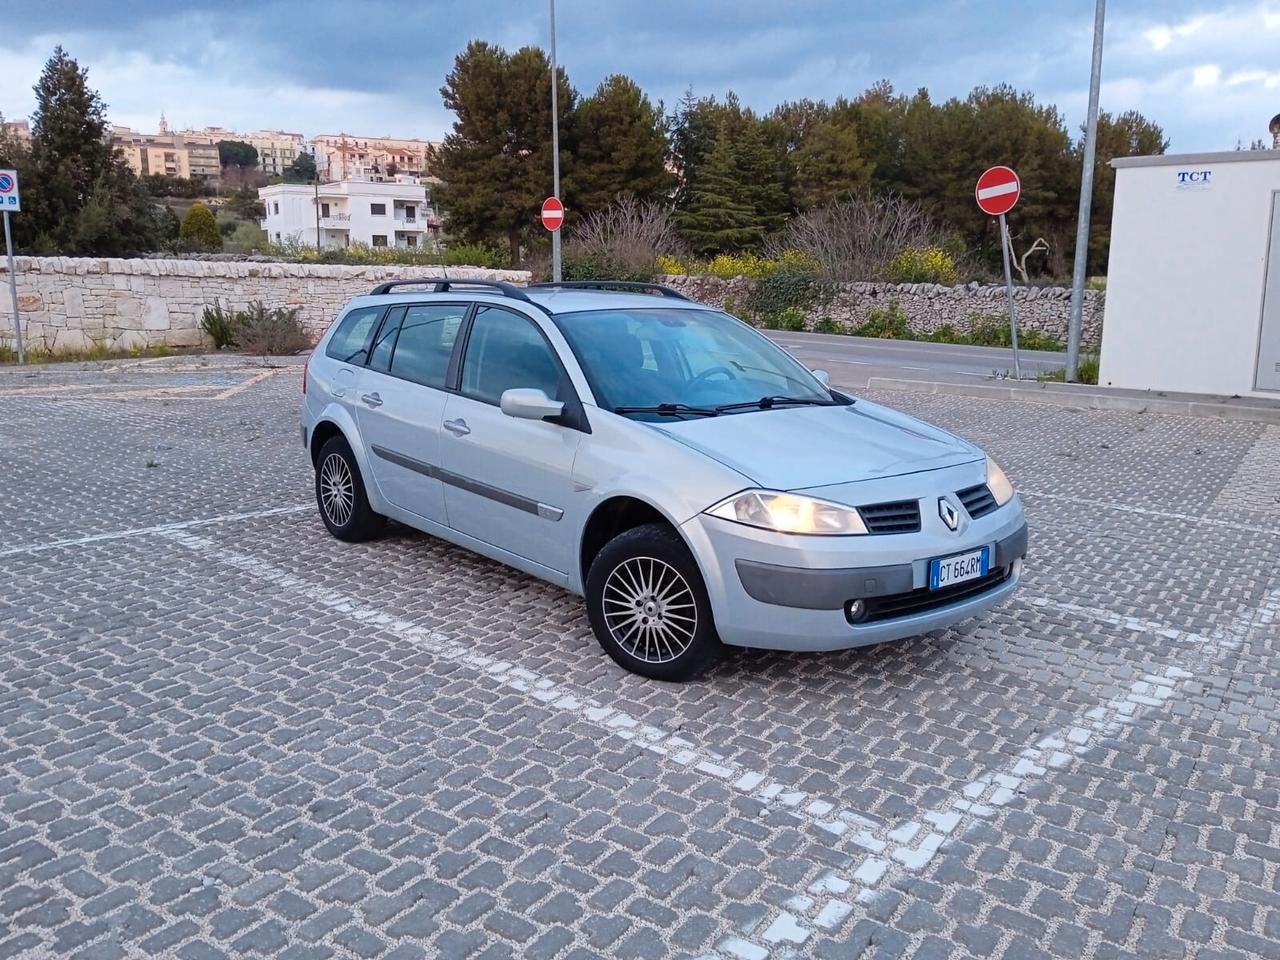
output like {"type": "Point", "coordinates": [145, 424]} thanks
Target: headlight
{"type": "Point", "coordinates": [998, 483]}
{"type": "Point", "coordinates": [789, 513]}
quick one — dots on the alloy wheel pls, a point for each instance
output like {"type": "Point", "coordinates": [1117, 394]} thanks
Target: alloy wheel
{"type": "Point", "coordinates": [337, 490]}
{"type": "Point", "coordinates": [650, 609]}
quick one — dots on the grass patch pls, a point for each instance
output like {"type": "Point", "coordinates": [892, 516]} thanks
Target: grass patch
{"type": "Point", "coordinates": [1086, 371]}
{"type": "Point", "coordinates": [98, 351]}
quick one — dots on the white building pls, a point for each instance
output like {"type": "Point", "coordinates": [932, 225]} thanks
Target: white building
{"type": "Point", "coordinates": [1193, 283]}
{"type": "Point", "coordinates": [387, 214]}
{"type": "Point", "coordinates": [277, 149]}
{"type": "Point", "coordinates": [341, 155]}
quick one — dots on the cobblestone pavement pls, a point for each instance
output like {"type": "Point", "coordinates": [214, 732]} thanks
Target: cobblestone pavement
{"type": "Point", "coordinates": [223, 733]}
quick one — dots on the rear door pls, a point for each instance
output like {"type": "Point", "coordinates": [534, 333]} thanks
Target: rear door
{"type": "Point", "coordinates": [401, 403]}
{"type": "Point", "coordinates": [508, 481]}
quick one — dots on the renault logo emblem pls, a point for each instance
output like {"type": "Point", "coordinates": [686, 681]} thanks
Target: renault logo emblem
{"type": "Point", "coordinates": [949, 514]}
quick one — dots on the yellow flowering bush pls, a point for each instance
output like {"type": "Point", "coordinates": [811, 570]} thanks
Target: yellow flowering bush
{"type": "Point", "coordinates": [726, 266]}
{"type": "Point", "coordinates": [923, 265]}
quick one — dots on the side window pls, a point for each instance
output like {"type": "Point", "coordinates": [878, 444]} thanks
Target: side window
{"type": "Point", "coordinates": [350, 341]}
{"type": "Point", "coordinates": [377, 209]}
{"type": "Point", "coordinates": [385, 340]}
{"type": "Point", "coordinates": [505, 351]}
{"type": "Point", "coordinates": [425, 343]}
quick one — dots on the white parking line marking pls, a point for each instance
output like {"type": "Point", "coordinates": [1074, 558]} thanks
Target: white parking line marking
{"type": "Point", "coordinates": [1158, 514]}
{"type": "Point", "coordinates": [910, 846]}
{"type": "Point", "coordinates": [158, 528]}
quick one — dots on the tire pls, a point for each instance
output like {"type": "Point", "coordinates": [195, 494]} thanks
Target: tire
{"type": "Point", "coordinates": [348, 516]}
{"type": "Point", "coordinates": [648, 605]}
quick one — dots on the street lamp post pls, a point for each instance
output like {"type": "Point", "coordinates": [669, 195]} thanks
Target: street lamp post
{"type": "Point", "coordinates": [555, 145]}
{"type": "Point", "coordinates": [1086, 200]}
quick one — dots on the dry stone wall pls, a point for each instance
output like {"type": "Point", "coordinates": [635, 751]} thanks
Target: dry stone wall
{"type": "Point", "coordinates": [71, 303]}
{"type": "Point", "coordinates": [75, 303]}
{"type": "Point", "coordinates": [927, 306]}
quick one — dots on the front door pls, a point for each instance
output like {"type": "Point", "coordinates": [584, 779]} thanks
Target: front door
{"type": "Point", "coordinates": [507, 481]}
{"type": "Point", "coordinates": [401, 400]}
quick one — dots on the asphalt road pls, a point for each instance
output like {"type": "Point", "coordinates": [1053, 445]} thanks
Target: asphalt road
{"type": "Point", "coordinates": [852, 360]}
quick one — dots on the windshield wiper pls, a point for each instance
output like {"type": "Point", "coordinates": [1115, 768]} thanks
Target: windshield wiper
{"type": "Point", "coordinates": [671, 410]}
{"type": "Point", "coordinates": [765, 403]}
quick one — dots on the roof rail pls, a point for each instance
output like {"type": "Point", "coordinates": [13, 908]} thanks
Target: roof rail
{"type": "Point", "coordinates": [641, 285]}
{"type": "Point", "coordinates": [445, 284]}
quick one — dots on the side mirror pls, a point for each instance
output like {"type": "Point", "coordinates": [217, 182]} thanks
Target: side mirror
{"type": "Point", "coordinates": [822, 377]}
{"type": "Point", "coordinates": [529, 403]}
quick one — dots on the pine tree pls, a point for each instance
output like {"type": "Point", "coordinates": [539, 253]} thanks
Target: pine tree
{"type": "Point", "coordinates": [79, 197]}
{"type": "Point", "coordinates": [622, 147]}
{"type": "Point", "coordinates": [496, 162]}
{"type": "Point", "coordinates": [829, 161]}
{"type": "Point", "coordinates": [719, 216]}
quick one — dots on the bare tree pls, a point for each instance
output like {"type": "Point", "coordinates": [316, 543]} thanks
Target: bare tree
{"type": "Point", "coordinates": [858, 237]}
{"type": "Point", "coordinates": [1039, 245]}
{"type": "Point", "coordinates": [626, 237]}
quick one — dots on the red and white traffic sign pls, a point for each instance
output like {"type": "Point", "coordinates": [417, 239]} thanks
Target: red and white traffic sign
{"type": "Point", "coordinates": [552, 213]}
{"type": "Point", "coordinates": [997, 191]}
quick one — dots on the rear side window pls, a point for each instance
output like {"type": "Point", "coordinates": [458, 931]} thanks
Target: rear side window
{"type": "Point", "coordinates": [350, 342]}
{"type": "Point", "coordinates": [425, 343]}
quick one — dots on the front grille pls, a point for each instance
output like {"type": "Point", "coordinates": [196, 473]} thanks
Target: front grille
{"type": "Point", "coordinates": [977, 500]}
{"type": "Point", "coordinates": [923, 600]}
{"type": "Point", "coordinates": [903, 516]}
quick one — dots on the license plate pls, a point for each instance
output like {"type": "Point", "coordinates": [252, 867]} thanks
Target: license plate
{"type": "Point", "coordinates": [948, 571]}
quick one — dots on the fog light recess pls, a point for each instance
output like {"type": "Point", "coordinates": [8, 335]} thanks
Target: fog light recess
{"type": "Point", "coordinates": [854, 610]}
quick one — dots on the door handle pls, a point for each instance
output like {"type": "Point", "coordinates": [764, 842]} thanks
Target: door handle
{"type": "Point", "coordinates": [372, 399]}
{"type": "Point", "coordinates": [457, 427]}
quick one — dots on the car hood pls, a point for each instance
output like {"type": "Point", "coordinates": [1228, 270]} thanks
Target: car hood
{"type": "Point", "coordinates": [792, 448]}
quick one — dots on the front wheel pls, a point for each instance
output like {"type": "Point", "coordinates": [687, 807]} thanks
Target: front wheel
{"type": "Point", "coordinates": [648, 605]}
{"type": "Point", "coordinates": [340, 495]}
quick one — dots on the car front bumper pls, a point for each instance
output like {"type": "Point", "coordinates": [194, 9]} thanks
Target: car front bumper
{"type": "Point", "coordinates": [786, 592]}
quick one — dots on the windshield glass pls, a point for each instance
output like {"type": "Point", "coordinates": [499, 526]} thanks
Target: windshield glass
{"type": "Point", "coordinates": [698, 358]}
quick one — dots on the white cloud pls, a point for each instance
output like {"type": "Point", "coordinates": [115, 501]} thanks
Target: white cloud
{"type": "Point", "coordinates": [1207, 75]}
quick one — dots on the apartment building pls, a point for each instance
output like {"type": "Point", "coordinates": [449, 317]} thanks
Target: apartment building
{"type": "Point", "coordinates": [277, 149]}
{"type": "Point", "coordinates": [18, 130]}
{"type": "Point", "coordinates": [342, 155]}
{"type": "Point", "coordinates": [387, 213]}
{"type": "Point", "coordinates": [171, 154]}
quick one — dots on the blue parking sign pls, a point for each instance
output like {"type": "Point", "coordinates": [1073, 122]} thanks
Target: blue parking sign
{"type": "Point", "coordinates": [10, 199]}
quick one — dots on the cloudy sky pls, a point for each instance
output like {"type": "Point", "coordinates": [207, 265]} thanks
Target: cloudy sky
{"type": "Point", "coordinates": [1208, 72]}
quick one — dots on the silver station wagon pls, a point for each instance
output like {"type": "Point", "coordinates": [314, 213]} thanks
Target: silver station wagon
{"type": "Point", "coordinates": [688, 477]}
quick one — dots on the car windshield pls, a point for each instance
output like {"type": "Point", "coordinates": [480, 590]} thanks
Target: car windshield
{"type": "Point", "coordinates": [664, 363]}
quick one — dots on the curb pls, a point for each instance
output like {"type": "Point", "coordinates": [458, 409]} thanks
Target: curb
{"type": "Point", "coordinates": [1090, 400]}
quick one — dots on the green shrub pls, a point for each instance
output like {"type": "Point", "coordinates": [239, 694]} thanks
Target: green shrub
{"type": "Point", "coordinates": [199, 230]}
{"type": "Point", "coordinates": [923, 265]}
{"type": "Point", "coordinates": [946, 333]}
{"type": "Point", "coordinates": [220, 325]}
{"type": "Point", "coordinates": [827, 325]}
{"type": "Point", "coordinates": [885, 323]}
{"type": "Point", "coordinates": [264, 332]}
{"type": "Point", "coordinates": [792, 318]}
{"type": "Point", "coordinates": [246, 238]}
{"type": "Point", "coordinates": [474, 255]}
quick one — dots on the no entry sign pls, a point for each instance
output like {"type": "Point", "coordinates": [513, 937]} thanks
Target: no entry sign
{"type": "Point", "coordinates": [552, 213]}
{"type": "Point", "coordinates": [997, 191]}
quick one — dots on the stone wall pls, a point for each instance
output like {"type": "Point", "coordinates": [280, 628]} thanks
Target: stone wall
{"type": "Point", "coordinates": [76, 303]}
{"type": "Point", "coordinates": [926, 305]}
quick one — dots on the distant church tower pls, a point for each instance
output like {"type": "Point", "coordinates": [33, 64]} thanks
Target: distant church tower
{"type": "Point", "coordinates": [164, 126]}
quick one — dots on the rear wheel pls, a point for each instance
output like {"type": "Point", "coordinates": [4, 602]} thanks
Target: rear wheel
{"type": "Point", "coordinates": [648, 605]}
{"type": "Point", "coordinates": [340, 494]}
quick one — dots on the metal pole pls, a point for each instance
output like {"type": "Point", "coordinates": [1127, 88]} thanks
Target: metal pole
{"type": "Point", "coordinates": [13, 289]}
{"type": "Point", "coordinates": [316, 182]}
{"type": "Point", "coordinates": [1086, 200]}
{"type": "Point", "coordinates": [1008, 287]}
{"type": "Point", "coordinates": [555, 145]}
